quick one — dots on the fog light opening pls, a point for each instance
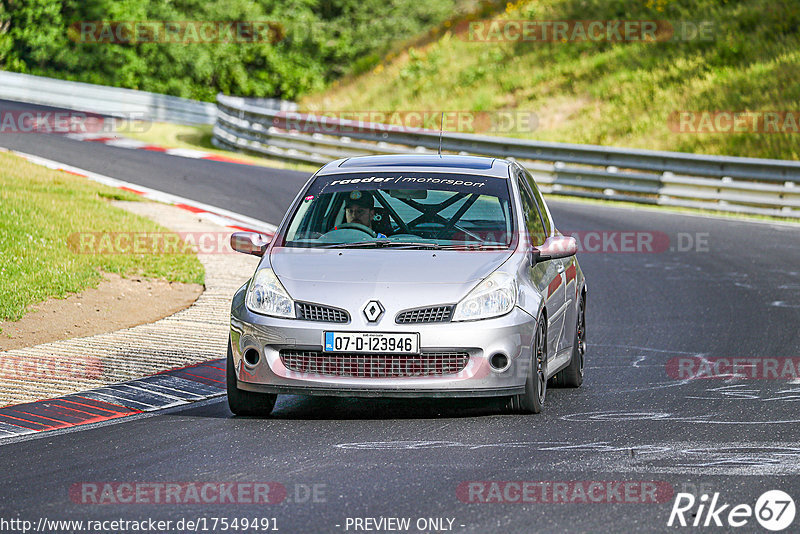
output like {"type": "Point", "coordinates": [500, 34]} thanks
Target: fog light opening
{"type": "Point", "coordinates": [499, 362]}
{"type": "Point", "coordinates": [251, 356]}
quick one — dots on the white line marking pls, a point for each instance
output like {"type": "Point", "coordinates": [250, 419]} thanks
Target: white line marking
{"type": "Point", "coordinates": [187, 153]}
{"type": "Point", "coordinates": [124, 142]}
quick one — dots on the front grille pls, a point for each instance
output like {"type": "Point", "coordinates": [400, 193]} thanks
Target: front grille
{"type": "Point", "coordinates": [433, 314]}
{"type": "Point", "coordinates": [320, 313]}
{"type": "Point", "coordinates": [374, 365]}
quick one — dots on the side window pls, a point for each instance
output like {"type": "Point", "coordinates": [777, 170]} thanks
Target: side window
{"type": "Point", "coordinates": [532, 219]}
{"type": "Point", "coordinates": [539, 200]}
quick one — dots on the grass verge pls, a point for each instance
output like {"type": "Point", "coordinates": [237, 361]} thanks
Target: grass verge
{"type": "Point", "coordinates": [39, 209]}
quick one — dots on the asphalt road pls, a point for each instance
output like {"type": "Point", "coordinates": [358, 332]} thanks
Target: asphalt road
{"type": "Point", "coordinates": [733, 295]}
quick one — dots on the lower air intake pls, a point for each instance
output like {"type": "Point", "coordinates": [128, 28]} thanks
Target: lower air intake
{"type": "Point", "coordinates": [374, 365]}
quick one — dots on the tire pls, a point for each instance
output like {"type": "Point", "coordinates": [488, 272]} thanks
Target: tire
{"type": "Point", "coordinates": [245, 402]}
{"type": "Point", "coordinates": [572, 375]}
{"type": "Point", "coordinates": [532, 400]}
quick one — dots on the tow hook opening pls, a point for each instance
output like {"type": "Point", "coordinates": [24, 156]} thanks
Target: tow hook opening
{"type": "Point", "coordinates": [251, 357]}
{"type": "Point", "coordinates": [499, 362]}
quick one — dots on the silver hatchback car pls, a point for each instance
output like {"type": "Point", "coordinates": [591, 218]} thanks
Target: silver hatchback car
{"type": "Point", "coordinates": [410, 275]}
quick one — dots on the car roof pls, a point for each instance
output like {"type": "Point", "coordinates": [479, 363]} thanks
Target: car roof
{"type": "Point", "coordinates": [420, 163]}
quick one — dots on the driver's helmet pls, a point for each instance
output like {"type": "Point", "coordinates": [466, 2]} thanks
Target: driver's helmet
{"type": "Point", "coordinates": [360, 198]}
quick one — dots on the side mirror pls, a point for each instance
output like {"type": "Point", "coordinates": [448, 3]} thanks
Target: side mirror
{"type": "Point", "coordinates": [249, 243]}
{"type": "Point", "coordinates": [554, 247]}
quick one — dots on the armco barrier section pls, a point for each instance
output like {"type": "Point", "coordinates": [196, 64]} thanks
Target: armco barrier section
{"type": "Point", "coordinates": [723, 183]}
{"type": "Point", "coordinates": [112, 101]}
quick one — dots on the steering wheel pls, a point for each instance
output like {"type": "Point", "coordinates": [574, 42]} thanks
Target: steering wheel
{"type": "Point", "coordinates": [357, 226]}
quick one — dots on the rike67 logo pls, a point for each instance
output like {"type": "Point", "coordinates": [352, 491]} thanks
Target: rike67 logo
{"type": "Point", "coordinates": [774, 510]}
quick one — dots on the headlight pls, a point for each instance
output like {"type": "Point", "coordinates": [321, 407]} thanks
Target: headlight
{"type": "Point", "coordinates": [266, 295]}
{"type": "Point", "coordinates": [493, 297]}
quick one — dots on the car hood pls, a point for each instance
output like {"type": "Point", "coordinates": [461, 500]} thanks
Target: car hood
{"type": "Point", "coordinates": [355, 266]}
{"type": "Point", "coordinates": [408, 277]}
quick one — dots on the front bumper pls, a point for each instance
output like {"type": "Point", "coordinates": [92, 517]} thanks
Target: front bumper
{"type": "Point", "coordinates": [511, 335]}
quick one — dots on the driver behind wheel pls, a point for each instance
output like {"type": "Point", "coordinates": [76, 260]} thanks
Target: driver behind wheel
{"type": "Point", "coordinates": [360, 208]}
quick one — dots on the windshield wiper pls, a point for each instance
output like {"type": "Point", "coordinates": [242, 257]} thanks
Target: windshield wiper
{"type": "Point", "coordinates": [475, 246]}
{"type": "Point", "coordinates": [410, 244]}
{"type": "Point", "coordinates": [417, 244]}
{"type": "Point", "coordinates": [384, 244]}
{"type": "Point", "coordinates": [355, 244]}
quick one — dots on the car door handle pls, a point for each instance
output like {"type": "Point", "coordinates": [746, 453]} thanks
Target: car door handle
{"type": "Point", "coordinates": [561, 268]}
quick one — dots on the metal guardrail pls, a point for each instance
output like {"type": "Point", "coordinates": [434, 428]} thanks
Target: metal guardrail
{"type": "Point", "coordinates": [746, 185]}
{"type": "Point", "coordinates": [112, 101]}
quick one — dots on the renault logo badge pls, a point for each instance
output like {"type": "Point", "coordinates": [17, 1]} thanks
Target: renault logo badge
{"type": "Point", "coordinates": [373, 311]}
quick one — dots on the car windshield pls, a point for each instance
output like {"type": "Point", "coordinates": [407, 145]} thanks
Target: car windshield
{"type": "Point", "coordinates": [412, 210]}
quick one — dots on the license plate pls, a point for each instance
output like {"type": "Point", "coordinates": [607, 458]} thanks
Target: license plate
{"type": "Point", "coordinates": [371, 342]}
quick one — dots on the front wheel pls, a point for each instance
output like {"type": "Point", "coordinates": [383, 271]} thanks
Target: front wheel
{"type": "Point", "coordinates": [532, 400]}
{"type": "Point", "coordinates": [243, 402]}
{"type": "Point", "coordinates": [572, 375]}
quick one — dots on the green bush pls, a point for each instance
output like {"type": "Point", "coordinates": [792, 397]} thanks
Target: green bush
{"type": "Point", "coordinates": [322, 40]}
